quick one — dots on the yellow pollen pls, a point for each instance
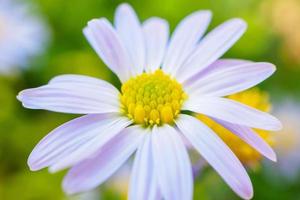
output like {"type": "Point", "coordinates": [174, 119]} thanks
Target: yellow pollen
{"type": "Point", "coordinates": [152, 98]}
{"type": "Point", "coordinates": [248, 156]}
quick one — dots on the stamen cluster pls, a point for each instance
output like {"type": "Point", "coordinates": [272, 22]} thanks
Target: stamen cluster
{"type": "Point", "coordinates": [152, 98]}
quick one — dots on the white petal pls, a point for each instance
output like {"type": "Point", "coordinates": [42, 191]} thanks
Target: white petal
{"type": "Point", "coordinates": [130, 31]}
{"type": "Point", "coordinates": [214, 67]}
{"type": "Point", "coordinates": [143, 184]}
{"type": "Point", "coordinates": [76, 78]}
{"type": "Point", "coordinates": [250, 137]}
{"type": "Point", "coordinates": [232, 79]}
{"type": "Point", "coordinates": [184, 39]}
{"type": "Point", "coordinates": [75, 136]}
{"type": "Point", "coordinates": [217, 154]}
{"type": "Point", "coordinates": [104, 39]}
{"type": "Point", "coordinates": [156, 34]}
{"type": "Point", "coordinates": [232, 111]}
{"type": "Point", "coordinates": [213, 46]}
{"type": "Point", "coordinates": [73, 94]}
{"type": "Point", "coordinates": [224, 63]}
{"type": "Point", "coordinates": [171, 164]}
{"type": "Point", "coordinates": [94, 171]}
{"type": "Point", "coordinates": [89, 148]}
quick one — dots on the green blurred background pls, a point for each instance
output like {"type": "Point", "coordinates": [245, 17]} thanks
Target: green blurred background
{"type": "Point", "coordinates": [273, 35]}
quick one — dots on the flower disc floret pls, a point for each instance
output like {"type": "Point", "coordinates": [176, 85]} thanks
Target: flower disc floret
{"type": "Point", "coordinates": [152, 98]}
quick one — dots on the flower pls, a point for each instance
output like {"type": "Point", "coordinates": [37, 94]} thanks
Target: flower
{"type": "Point", "coordinates": [246, 154]}
{"type": "Point", "coordinates": [287, 141]}
{"type": "Point", "coordinates": [285, 26]}
{"type": "Point", "coordinates": [161, 80]}
{"type": "Point", "coordinates": [22, 35]}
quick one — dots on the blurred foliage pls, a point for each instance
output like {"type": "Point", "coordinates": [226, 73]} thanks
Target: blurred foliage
{"type": "Point", "coordinates": [21, 129]}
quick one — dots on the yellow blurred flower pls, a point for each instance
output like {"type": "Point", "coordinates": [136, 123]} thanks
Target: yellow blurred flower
{"type": "Point", "coordinates": [247, 155]}
{"type": "Point", "coordinates": [284, 18]}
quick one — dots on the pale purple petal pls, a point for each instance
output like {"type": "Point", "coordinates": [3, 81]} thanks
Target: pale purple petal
{"type": "Point", "coordinates": [143, 183]}
{"type": "Point", "coordinates": [95, 170]}
{"type": "Point", "coordinates": [171, 164]}
{"type": "Point", "coordinates": [85, 80]}
{"type": "Point", "coordinates": [230, 80]}
{"type": "Point", "coordinates": [89, 148]}
{"type": "Point", "coordinates": [217, 154]}
{"type": "Point", "coordinates": [77, 78]}
{"type": "Point", "coordinates": [250, 137]}
{"type": "Point", "coordinates": [104, 39]}
{"type": "Point", "coordinates": [79, 135]}
{"type": "Point", "coordinates": [213, 46]}
{"type": "Point", "coordinates": [184, 39]}
{"type": "Point", "coordinates": [156, 34]}
{"type": "Point", "coordinates": [81, 95]}
{"type": "Point", "coordinates": [216, 66]}
{"type": "Point", "coordinates": [130, 31]}
{"type": "Point", "coordinates": [224, 63]}
{"type": "Point", "coordinates": [232, 111]}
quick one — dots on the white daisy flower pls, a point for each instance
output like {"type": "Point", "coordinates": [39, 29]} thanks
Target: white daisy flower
{"type": "Point", "coordinates": [161, 79]}
{"type": "Point", "coordinates": [287, 141]}
{"type": "Point", "coordinates": [22, 35]}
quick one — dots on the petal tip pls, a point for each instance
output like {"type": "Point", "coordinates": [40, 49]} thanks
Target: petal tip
{"type": "Point", "coordinates": [206, 13]}
{"type": "Point", "coordinates": [273, 124]}
{"type": "Point", "coordinates": [68, 189]}
{"type": "Point", "coordinates": [98, 21]}
{"type": "Point", "coordinates": [34, 162]}
{"type": "Point", "coordinates": [248, 197]}
{"type": "Point", "coordinates": [32, 166]}
{"type": "Point", "coordinates": [53, 169]}
{"type": "Point", "coordinates": [271, 67]}
{"type": "Point", "coordinates": [274, 159]}
{"type": "Point", "coordinates": [240, 23]}
{"type": "Point", "coordinates": [22, 94]}
{"type": "Point", "coordinates": [92, 21]}
{"type": "Point", "coordinates": [248, 193]}
{"type": "Point", "coordinates": [272, 155]}
{"type": "Point", "coordinates": [278, 125]}
{"type": "Point", "coordinates": [20, 97]}
{"type": "Point", "coordinates": [124, 7]}
{"type": "Point", "coordinates": [85, 31]}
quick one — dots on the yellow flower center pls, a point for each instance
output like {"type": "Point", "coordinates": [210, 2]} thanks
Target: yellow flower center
{"type": "Point", "coordinates": [152, 98]}
{"type": "Point", "coordinates": [249, 156]}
